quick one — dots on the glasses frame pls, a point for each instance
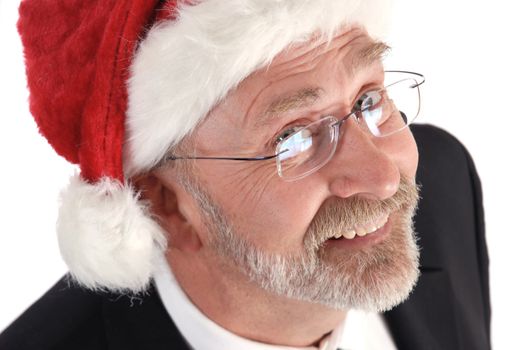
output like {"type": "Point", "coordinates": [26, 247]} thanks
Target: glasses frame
{"type": "Point", "coordinates": [336, 124]}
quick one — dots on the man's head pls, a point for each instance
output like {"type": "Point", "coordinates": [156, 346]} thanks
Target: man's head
{"type": "Point", "coordinates": [282, 234]}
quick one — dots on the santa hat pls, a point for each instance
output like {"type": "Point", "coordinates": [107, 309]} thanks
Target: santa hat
{"type": "Point", "coordinates": [115, 84]}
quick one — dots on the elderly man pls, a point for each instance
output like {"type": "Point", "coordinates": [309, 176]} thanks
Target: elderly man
{"type": "Point", "coordinates": [254, 161]}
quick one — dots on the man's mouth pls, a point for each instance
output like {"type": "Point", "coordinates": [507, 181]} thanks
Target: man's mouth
{"type": "Point", "coordinates": [362, 230]}
{"type": "Point", "coordinates": [363, 236]}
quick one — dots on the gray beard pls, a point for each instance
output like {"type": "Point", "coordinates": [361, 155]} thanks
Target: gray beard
{"type": "Point", "coordinates": [373, 279]}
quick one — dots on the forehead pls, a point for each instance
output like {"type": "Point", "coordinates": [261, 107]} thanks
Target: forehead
{"type": "Point", "coordinates": [355, 47]}
{"type": "Point", "coordinates": [297, 78]}
{"type": "Point", "coordinates": [293, 79]}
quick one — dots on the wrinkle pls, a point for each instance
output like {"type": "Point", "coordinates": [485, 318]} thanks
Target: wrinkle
{"type": "Point", "coordinates": [251, 182]}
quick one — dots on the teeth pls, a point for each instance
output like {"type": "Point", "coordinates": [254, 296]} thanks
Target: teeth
{"type": "Point", "coordinates": [361, 231]}
{"type": "Point", "coordinates": [350, 235]}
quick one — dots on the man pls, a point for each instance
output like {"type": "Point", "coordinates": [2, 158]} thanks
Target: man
{"type": "Point", "coordinates": [254, 160]}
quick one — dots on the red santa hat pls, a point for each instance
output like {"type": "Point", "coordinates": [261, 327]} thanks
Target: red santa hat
{"type": "Point", "coordinates": [115, 84]}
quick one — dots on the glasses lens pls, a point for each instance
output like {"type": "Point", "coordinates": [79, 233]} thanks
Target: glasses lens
{"type": "Point", "coordinates": [307, 149]}
{"type": "Point", "coordinates": [392, 109]}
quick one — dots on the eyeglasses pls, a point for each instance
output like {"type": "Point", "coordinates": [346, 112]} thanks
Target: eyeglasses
{"type": "Point", "coordinates": [302, 150]}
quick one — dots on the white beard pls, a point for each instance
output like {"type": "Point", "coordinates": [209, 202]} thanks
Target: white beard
{"type": "Point", "coordinates": [374, 279]}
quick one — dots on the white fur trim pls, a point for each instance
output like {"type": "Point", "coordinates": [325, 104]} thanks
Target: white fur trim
{"type": "Point", "coordinates": [106, 236]}
{"type": "Point", "coordinates": [185, 66]}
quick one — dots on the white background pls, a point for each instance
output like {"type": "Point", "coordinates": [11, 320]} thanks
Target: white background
{"type": "Point", "coordinates": [471, 54]}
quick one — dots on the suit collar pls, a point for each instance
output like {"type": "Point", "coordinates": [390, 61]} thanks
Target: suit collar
{"type": "Point", "coordinates": [426, 320]}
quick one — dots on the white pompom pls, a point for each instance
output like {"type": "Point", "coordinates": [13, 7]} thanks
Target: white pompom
{"type": "Point", "coordinates": [107, 237]}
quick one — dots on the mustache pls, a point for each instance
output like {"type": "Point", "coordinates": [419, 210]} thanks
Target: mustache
{"type": "Point", "coordinates": [343, 214]}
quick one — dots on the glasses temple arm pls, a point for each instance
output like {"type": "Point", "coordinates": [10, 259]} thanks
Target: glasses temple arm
{"type": "Point", "coordinates": [174, 157]}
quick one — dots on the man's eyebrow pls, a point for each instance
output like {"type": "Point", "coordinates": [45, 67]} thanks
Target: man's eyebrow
{"type": "Point", "coordinates": [302, 98]}
{"type": "Point", "coordinates": [308, 96]}
{"type": "Point", "coordinates": [376, 51]}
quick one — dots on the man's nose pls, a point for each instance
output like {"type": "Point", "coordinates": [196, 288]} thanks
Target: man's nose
{"type": "Point", "coordinates": [360, 166]}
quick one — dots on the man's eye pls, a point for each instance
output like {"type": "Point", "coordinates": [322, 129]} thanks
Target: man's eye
{"type": "Point", "coordinates": [287, 132]}
{"type": "Point", "coordinates": [368, 101]}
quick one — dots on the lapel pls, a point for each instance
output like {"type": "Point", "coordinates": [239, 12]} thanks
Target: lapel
{"type": "Point", "coordinates": [426, 320]}
{"type": "Point", "coordinates": [140, 323]}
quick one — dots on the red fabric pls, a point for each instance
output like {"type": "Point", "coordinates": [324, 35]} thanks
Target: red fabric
{"type": "Point", "coordinates": [77, 58]}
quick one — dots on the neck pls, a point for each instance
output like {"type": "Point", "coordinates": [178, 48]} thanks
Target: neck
{"type": "Point", "coordinates": [227, 297]}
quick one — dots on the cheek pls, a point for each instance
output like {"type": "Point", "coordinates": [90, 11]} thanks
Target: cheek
{"type": "Point", "coordinates": [268, 212]}
{"type": "Point", "coordinates": [280, 221]}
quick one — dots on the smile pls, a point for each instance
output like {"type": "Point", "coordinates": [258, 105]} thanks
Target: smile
{"type": "Point", "coordinates": [363, 230]}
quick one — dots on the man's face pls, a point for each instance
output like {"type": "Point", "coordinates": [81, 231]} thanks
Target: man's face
{"type": "Point", "coordinates": [281, 233]}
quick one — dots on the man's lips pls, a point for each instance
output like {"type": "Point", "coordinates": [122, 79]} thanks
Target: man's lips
{"type": "Point", "coordinates": [366, 237]}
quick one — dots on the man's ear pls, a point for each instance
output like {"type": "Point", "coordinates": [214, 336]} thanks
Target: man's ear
{"type": "Point", "coordinates": [169, 205]}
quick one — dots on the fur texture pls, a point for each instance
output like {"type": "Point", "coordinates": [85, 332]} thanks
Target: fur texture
{"type": "Point", "coordinates": [187, 65]}
{"type": "Point", "coordinates": [106, 236]}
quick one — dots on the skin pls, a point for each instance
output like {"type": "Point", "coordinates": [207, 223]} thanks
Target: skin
{"type": "Point", "coordinates": [272, 213]}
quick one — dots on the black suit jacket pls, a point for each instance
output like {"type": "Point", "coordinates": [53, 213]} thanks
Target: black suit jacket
{"type": "Point", "coordinates": [449, 308]}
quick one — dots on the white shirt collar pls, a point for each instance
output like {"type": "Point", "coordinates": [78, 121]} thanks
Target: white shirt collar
{"type": "Point", "coordinates": [201, 333]}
